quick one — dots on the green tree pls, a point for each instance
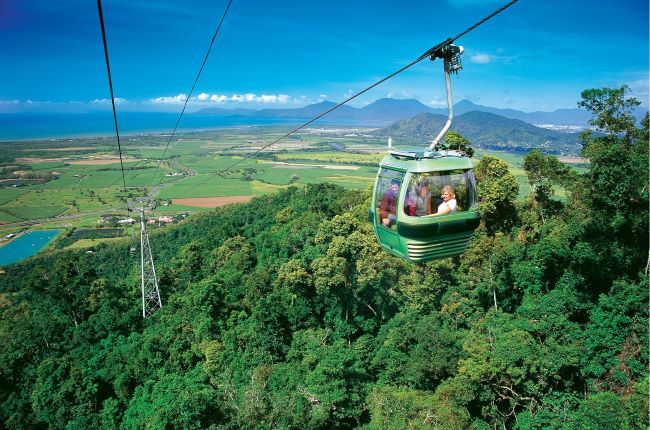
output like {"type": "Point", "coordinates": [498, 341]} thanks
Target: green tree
{"type": "Point", "coordinates": [616, 187]}
{"type": "Point", "coordinates": [602, 411]}
{"type": "Point", "coordinates": [497, 190]}
{"type": "Point", "coordinates": [400, 408]}
{"type": "Point", "coordinates": [613, 111]}
{"type": "Point", "coordinates": [544, 172]}
{"type": "Point", "coordinates": [174, 401]}
{"type": "Point", "coordinates": [458, 142]}
{"type": "Point", "coordinates": [416, 351]}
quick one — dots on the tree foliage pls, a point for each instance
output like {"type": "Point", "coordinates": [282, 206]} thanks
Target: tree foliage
{"type": "Point", "coordinates": [458, 142]}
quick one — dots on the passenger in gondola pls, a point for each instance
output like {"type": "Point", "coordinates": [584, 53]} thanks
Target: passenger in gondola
{"type": "Point", "coordinates": [388, 206]}
{"type": "Point", "coordinates": [423, 198]}
{"type": "Point", "coordinates": [448, 205]}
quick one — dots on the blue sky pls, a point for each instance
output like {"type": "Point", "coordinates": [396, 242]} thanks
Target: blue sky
{"type": "Point", "coordinates": [537, 55]}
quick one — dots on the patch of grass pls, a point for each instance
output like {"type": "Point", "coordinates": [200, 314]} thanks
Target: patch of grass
{"type": "Point", "coordinates": [333, 157]}
{"type": "Point", "coordinates": [7, 218]}
{"type": "Point", "coordinates": [48, 165]}
{"type": "Point", "coordinates": [9, 194]}
{"type": "Point", "coordinates": [354, 182]}
{"type": "Point", "coordinates": [215, 186]}
{"type": "Point", "coordinates": [75, 200]}
{"type": "Point", "coordinates": [89, 243]}
{"type": "Point", "coordinates": [96, 233]}
{"type": "Point", "coordinates": [261, 188]}
{"type": "Point", "coordinates": [25, 213]}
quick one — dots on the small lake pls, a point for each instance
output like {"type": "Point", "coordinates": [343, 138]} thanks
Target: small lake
{"type": "Point", "coordinates": [25, 246]}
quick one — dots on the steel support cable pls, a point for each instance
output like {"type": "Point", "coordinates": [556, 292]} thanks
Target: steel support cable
{"type": "Point", "coordinates": [427, 54]}
{"type": "Point", "coordinates": [205, 59]}
{"type": "Point", "coordinates": [110, 84]}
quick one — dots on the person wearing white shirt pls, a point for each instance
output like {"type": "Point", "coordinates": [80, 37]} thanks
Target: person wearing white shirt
{"type": "Point", "coordinates": [448, 205]}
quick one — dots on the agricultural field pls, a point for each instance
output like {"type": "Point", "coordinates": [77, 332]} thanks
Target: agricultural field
{"type": "Point", "coordinates": [200, 170]}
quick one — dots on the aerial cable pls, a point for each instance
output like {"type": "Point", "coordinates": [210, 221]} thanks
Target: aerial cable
{"type": "Point", "coordinates": [430, 53]}
{"type": "Point", "coordinates": [110, 84]}
{"type": "Point", "coordinates": [207, 54]}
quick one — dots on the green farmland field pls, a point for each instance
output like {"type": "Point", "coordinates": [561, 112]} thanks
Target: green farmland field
{"type": "Point", "coordinates": [82, 191]}
{"type": "Point", "coordinates": [34, 212]}
{"type": "Point", "coordinates": [9, 194]}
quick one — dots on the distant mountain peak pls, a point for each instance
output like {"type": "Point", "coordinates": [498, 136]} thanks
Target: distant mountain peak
{"type": "Point", "coordinates": [466, 103]}
{"type": "Point", "coordinates": [395, 102]}
{"type": "Point", "coordinates": [324, 103]}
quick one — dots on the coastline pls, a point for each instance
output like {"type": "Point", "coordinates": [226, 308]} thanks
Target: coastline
{"type": "Point", "coordinates": [56, 127]}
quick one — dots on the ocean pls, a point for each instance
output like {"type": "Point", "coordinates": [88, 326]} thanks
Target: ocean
{"type": "Point", "coordinates": [32, 126]}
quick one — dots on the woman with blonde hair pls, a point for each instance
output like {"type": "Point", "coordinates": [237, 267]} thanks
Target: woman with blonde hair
{"type": "Point", "coordinates": [448, 205]}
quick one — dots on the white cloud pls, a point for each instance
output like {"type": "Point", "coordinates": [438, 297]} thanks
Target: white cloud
{"type": "Point", "coordinates": [438, 102]}
{"type": "Point", "coordinates": [218, 98]}
{"type": "Point", "coordinates": [399, 94]}
{"type": "Point", "coordinates": [177, 99]}
{"type": "Point", "coordinates": [118, 100]}
{"type": "Point", "coordinates": [234, 98]}
{"type": "Point", "coordinates": [265, 98]}
{"type": "Point", "coordinates": [168, 103]}
{"type": "Point", "coordinates": [480, 58]}
{"type": "Point", "coordinates": [248, 97]}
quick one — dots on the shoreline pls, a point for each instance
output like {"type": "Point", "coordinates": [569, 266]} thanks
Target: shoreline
{"type": "Point", "coordinates": [134, 126]}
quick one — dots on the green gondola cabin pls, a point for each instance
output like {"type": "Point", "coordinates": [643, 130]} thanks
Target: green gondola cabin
{"type": "Point", "coordinates": [419, 238]}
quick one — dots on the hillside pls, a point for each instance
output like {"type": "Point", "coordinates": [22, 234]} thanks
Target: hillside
{"type": "Point", "coordinates": [484, 130]}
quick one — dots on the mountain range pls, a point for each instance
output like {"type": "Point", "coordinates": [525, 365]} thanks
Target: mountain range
{"type": "Point", "coordinates": [387, 110]}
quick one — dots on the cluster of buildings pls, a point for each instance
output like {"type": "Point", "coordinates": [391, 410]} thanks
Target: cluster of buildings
{"type": "Point", "coordinates": [124, 221]}
{"type": "Point", "coordinates": [160, 220]}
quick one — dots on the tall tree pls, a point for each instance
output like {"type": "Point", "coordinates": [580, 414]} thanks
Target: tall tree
{"type": "Point", "coordinates": [616, 187]}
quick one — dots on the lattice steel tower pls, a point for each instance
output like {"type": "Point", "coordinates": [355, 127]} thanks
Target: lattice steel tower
{"type": "Point", "coordinates": [150, 294]}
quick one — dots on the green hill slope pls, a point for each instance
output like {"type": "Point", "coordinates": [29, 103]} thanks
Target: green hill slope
{"type": "Point", "coordinates": [484, 130]}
